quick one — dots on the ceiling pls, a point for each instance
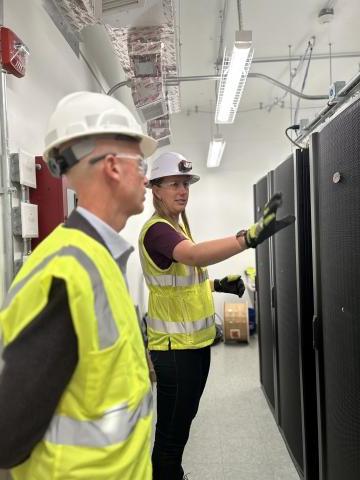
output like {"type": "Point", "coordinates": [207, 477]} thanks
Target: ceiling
{"type": "Point", "coordinates": [275, 25]}
{"type": "Point", "coordinates": [265, 110]}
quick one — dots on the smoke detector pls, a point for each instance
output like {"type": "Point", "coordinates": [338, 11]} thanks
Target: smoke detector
{"type": "Point", "coordinates": [326, 15]}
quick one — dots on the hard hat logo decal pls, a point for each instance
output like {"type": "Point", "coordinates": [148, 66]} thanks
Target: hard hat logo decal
{"type": "Point", "coordinates": [184, 166]}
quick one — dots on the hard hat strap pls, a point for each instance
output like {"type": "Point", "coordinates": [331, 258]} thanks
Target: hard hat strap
{"type": "Point", "coordinates": [59, 163]}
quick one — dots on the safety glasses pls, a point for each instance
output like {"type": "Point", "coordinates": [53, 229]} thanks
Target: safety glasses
{"type": "Point", "coordinates": [141, 162]}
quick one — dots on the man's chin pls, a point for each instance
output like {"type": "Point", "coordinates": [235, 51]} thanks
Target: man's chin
{"type": "Point", "coordinates": [140, 209]}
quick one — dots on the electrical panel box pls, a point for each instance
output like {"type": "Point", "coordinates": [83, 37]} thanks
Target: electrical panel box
{"type": "Point", "coordinates": [25, 220]}
{"type": "Point", "coordinates": [52, 199]}
{"type": "Point", "coordinates": [23, 168]}
{"type": "Point", "coordinates": [29, 220]}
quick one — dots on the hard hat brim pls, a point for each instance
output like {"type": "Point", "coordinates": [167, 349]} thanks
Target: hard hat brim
{"type": "Point", "coordinates": [193, 178]}
{"type": "Point", "coordinates": [148, 145]}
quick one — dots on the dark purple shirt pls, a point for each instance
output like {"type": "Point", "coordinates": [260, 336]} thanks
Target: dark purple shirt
{"type": "Point", "coordinates": [160, 241]}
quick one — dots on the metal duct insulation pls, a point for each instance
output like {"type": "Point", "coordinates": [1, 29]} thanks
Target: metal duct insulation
{"type": "Point", "coordinates": [149, 97]}
{"type": "Point", "coordinates": [163, 142]}
{"type": "Point", "coordinates": [145, 54]}
{"type": "Point", "coordinates": [79, 13]}
{"type": "Point", "coordinates": [145, 45]}
{"type": "Point", "coordinates": [123, 39]}
{"type": "Point", "coordinates": [126, 40]}
{"type": "Point", "coordinates": [159, 128]}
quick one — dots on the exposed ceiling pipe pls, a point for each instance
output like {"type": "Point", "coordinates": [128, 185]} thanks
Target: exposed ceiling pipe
{"type": "Point", "coordinates": [321, 56]}
{"type": "Point", "coordinates": [113, 89]}
{"type": "Point", "coordinates": [287, 88]}
{"type": "Point", "coordinates": [350, 89]}
{"type": "Point", "coordinates": [175, 80]}
{"type": "Point", "coordinates": [170, 81]}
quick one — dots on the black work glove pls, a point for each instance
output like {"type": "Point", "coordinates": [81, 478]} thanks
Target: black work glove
{"type": "Point", "coordinates": [230, 284]}
{"type": "Point", "coordinates": [268, 225]}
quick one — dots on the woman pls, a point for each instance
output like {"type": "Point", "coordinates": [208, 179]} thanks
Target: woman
{"type": "Point", "coordinates": [180, 323]}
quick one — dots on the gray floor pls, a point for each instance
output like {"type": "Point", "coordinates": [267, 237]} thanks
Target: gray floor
{"type": "Point", "coordinates": [234, 435]}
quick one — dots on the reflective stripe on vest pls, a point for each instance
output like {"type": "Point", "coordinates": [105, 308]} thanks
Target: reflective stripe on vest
{"type": "Point", "coordinates": [114, 427]}
{"type": "Point", "coordinates": [176, 280]}
{"type": "Point", "coordinates": [180, 327]}
{"type": "Point", "coordinates": [108, 331]}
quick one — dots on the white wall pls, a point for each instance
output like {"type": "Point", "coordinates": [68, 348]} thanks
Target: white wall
{"type": "Point", "coordinates": [221, 203]}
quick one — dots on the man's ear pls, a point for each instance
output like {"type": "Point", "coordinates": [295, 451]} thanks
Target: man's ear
{"type": "Point", "coordinates": [112, 167]}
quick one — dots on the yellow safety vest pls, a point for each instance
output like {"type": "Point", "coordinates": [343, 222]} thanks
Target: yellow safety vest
{"type": "Point", "coordinates": [101, 429]}
{"type": "Point", "coordinates": [181, 308]}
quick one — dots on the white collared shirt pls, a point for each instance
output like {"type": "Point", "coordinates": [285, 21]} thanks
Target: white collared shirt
{"type": "Point", "coordinates": [119, 248]}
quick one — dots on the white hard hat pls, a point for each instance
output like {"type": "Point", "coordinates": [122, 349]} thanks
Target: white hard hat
{"type": "Point", "coordinates": [171, 163]}
{"type": "Point", "coordinates": [83, 114]}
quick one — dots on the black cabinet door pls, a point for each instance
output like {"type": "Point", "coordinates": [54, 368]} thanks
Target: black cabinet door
{"type": "Point", "coordinates": [292, 265]}
{"type": "Point", "coordinates": [290, 412]}
{"type": "Point", "coordinates": [335, 168]}
{"type": "Point", "coordinates": [263, 303]}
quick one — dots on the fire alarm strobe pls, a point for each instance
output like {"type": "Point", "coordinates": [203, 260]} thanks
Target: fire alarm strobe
{"type": "Point", "coordinates": [13, 52]}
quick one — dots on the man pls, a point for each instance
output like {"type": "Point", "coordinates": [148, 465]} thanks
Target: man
{"type": "Point", "coordinates": [75, 396]}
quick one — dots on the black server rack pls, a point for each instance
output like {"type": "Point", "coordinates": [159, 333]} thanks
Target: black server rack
{"type": "Point", "coordinates": [293, 302]}
{"type": "Point", "coordinates": [335, 198]}
{"type": "Point", "coordinates": [264, 310]}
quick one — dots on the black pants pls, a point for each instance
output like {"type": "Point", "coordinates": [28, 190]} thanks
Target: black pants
{"type": "Point", "coordinates": [181, 378]}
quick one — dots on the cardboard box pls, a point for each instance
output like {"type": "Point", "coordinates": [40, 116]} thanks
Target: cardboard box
{"type": "Point", "coordinates": [236, 322]}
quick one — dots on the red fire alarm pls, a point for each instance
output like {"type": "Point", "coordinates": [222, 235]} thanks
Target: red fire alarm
{"type": "Point", "coordinates": [13, 52]}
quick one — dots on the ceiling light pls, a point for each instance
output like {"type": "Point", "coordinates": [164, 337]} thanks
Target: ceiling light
{"type": "Point", "coordinates": [233, 77]}
{"type": "Point", "coordinates": [216, 149]}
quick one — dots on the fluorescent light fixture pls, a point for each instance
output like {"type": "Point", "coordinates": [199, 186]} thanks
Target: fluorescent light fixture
{"type": "Point", "coordinates": [233, 77]}
{"type": "Point", "coordinates": [216, 149]}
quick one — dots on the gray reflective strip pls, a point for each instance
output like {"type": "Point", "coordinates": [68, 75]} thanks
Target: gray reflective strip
{"type": "Point", "coordinates": [175, 280]}
{"type": "Point", "coordinates": [195, 276]}
{"type": "Point", "coordinates": [108, 332]}
{"type": "Point", "coordinates": [180, 327]}
{"type": "Point", "coordinates": [114, 427]}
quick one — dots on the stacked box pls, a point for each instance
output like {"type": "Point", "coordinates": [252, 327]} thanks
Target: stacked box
{"type": "Point", "coordinates": [236, 322]}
